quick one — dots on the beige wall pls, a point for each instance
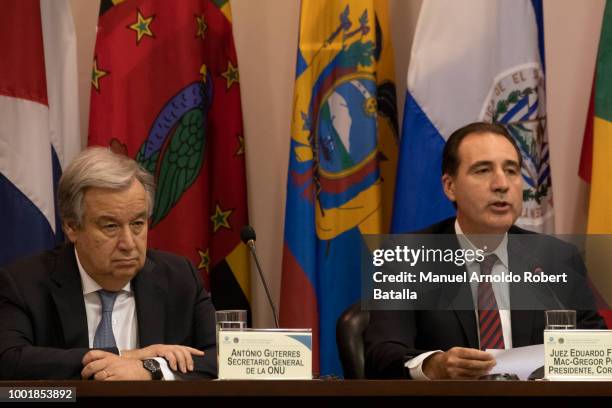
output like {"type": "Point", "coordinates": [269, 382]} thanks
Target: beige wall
{"type": "Point", "coordinates": [572, 36]}
{"type": "Point", "coordinates": [265, 33]}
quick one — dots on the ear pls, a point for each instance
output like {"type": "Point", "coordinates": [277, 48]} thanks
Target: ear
{"type": "Point", "coordinates": [70, 231]}
{"type": "Point", "coordinates": [448, 183]}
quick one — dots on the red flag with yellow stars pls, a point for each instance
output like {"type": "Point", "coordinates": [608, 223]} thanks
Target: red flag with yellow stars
{"type": "Point", "coordinates": [165, 91]}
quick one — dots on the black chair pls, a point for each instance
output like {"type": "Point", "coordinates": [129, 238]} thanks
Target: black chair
{"type": "Point", "coordinates": [349, 337]}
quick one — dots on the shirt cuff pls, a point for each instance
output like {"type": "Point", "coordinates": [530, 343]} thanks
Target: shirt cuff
{"type": "Point", "coordinates": [415, 366]}
{"type": "Point", "coordinates": [166, 371]}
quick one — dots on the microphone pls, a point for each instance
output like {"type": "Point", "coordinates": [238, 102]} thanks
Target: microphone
{"type": "Point", "coordinates": [247, 235]}
{"type": "Point", "coordinates": [538, 373]}
{"type": "Point", "coordinates": [539, 271]}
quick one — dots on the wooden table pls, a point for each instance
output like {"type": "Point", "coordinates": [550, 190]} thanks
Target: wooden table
{"type": "Point", "coordinates": [329, 390]}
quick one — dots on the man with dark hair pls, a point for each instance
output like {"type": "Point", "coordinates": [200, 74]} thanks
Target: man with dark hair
{"type": "Point", "coordinates": [450, 154]}
{"type": "Point", "coordinates": [102, 306]}
{"type": "Point", "coordinates": [481, 175]}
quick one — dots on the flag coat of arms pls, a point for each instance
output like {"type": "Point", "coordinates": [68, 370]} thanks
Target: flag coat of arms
{"type": "Point", "coordinates": [165, 91]}
{"type": "Point", "coordinates": [39, 117]}
{"type": "Point", "coordinates": [341, 166]}
{"type": "Point", "coordinates": [477, 60]}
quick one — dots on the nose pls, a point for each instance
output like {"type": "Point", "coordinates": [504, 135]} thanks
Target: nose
{"type": "Point", "coordinates": [499, 181]}
{"type": "Point", "coordinates": [126, 241]}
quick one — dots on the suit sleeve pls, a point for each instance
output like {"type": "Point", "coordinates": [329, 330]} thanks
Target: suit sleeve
{"type": "Point", "coordinates": [587, 316]}
{"type": "Point", "coordinates": [19, 358]}
{"type": "Point", "coordinates": [390, 343]}
{"type": "Point", "coordinates": [204, 332]}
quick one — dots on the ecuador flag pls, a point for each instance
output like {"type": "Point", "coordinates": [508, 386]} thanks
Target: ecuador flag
{"type": "Point", "coordinates": [341, 166]}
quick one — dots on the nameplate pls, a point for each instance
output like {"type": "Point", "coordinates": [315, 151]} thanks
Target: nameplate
{"type": "Point", "coordinates": [577, 355]}
{"type": "Point", "coordinates": [265, 354]}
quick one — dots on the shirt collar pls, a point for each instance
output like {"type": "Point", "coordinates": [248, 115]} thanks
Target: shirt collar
{"type": "Point", "coordinates": [501, 251]}
{"type": "Point", "coordinates": [90, 285]}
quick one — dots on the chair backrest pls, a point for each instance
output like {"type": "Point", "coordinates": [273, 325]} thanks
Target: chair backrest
{"type": "Point", "coordinates": [349, 338]}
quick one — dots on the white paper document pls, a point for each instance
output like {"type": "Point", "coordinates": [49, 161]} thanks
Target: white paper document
{"type": "Point", "coordinates": [521, 361]}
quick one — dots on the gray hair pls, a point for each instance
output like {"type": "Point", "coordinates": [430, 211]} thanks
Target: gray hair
{"type": "Point", "coordinates": [99, 167]}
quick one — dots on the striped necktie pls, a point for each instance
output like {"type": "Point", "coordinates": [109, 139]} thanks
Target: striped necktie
{"type": "Point", "coordinates": [491, 334]}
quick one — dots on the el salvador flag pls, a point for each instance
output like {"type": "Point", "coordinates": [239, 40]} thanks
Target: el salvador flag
{"type": "Point", "coordinates": [473, 60]}
{"type": "Point", "coordinates": [39, 131]}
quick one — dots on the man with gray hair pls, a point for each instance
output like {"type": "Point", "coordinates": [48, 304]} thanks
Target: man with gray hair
{"type": "Point", "coordinates": [102, 306]}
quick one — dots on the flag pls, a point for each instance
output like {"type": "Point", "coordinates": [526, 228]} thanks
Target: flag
{"type": "Point", "coordinates": [39, 114]}
{"type": "Point", "coordinates": [595, 164]}
{"type": "Point", "coordinates": [480, 60]}
{"type": "Point", "coordinates": [165, 91]}
{"type": "Point", "coordinates": [342, 162]}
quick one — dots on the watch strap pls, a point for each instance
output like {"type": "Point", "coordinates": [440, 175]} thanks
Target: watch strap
{"type": "Point", "coordinates": [153, 367]}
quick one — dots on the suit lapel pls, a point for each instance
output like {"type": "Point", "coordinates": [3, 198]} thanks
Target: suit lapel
{"type": "Point", "coordinates": [523, 321]}
{"type": "Point", "coordinates": [468, 323]}
{"type": "Point", "coordinates": [150, 290]}
{"type": "Point", "coordinates": [67, 293]}
{"type": "Point", "coordinates": [466, 318]}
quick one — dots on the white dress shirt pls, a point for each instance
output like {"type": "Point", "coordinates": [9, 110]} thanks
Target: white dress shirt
{"type": "Point", "coordinates": [125, 320]}
{"type": "Point", "coordinates": [501, 290]}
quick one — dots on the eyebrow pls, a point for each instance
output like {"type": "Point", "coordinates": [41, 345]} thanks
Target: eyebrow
{"type": "Point", "coordinates": [513, 163]}
{"type": "Point", "coordinates": [104, 218]}
{"type": "Point", "coordinates": [480, 163]}
{"type": "Point", "coordinates": [141, 215]}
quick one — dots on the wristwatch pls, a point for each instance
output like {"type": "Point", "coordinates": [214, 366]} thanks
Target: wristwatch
{"type": "Point", "coordinates": [152, 366]}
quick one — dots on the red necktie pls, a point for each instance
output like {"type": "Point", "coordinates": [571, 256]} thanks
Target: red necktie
{"type": "Point", "coordinates": [491, 335]}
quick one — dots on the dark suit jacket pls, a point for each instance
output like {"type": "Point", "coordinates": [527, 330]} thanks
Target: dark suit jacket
{"type": "Point", "coordinates": [43, 325]}
{"type": "Point", "coordinates": [394, 337]}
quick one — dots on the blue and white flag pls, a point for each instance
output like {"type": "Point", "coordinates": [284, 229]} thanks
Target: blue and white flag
{"type": "Point", "coordinates": [39, 131]}
{"type": "Point", "coordinates": [476, 60]}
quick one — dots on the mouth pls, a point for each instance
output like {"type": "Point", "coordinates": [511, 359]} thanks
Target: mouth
{"type": "Point", "coordinates": [500, 206]}
{"type": "Point", "coordinates": [125, 262]}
